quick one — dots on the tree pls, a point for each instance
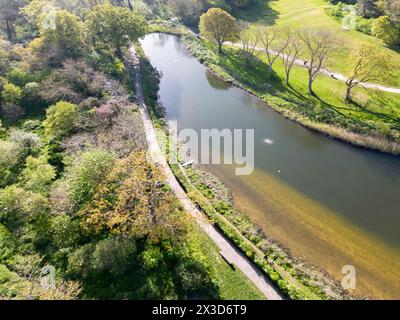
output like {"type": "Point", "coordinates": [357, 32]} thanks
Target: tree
{"type": "Point", "coordinates": [9, 14]}
{"type": "Point", "coordinates": [38, 174]}
{"type": "Point", "coordinates": [60, 119]}
{"type": "Point", "coordinates": [385, 29]}
{"type": "Point", "coordinates": [63, 33]}
{"type": "Point", "coordinates": [369, 64]}
{"type": "Point", "coordinates": [34, 11]}
{"type": "Point", "coordinates": [86, 172]}
{"type": "Point", "coordinates": [11, 93]}
{"type": "Point", "coordinates": [269, 39]}
{"type": "Point", "coordinates": [318, 46]}
{"type": "Point", "coordinates": [249, 41]}
{"type": "Point", "coordinates": [219, 26]}
{"type": "Point", "coordinates": [114, 26]}
{"type": "Point", "coordinates": [367, 8]}
{"type": "Point", "coordinates": [134, 201]}
{"type": "Point", "coordinates": [292, 48]}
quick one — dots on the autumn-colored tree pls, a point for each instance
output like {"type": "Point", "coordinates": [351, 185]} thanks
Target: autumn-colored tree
{"type": "Point", "coordinates": [219, 26]}
{"type": "Point", "coordinates": [369, 64]}
{"type": "Point", "coordinates": [135, 201]}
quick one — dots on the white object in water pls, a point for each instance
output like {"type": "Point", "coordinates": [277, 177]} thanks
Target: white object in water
{"type": "Point", "coordinates": [176, 60]}
{"type": "Point", "coordinates": [268, 141]}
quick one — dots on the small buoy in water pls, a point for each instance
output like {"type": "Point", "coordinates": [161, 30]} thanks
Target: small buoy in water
{"type": "Point", "coordinates": [279, 171]}
{"type": "Point", "coordinates": [268, 141]}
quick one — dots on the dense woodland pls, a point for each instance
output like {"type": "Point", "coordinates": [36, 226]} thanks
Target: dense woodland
{"type": "Point", "coordinates": [76, 190]}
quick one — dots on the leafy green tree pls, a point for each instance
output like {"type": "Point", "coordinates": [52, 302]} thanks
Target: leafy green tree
{"type": "Point", "coordinates": [369, 64]}
{"type": "Point", "coordinates": [16, 202]}
{"type": "Point", "coordinates": [18, 76]}
{"type": "Point", "coordinates": [34, 11]}
{"type": "Point", "coordinates": [60, 119]}
{"type": "Point", "coordinates": [5, 55]}
{"type": "Point", "coordinates": [11, 93]}
{"type": "Point", "coordinates": [86, 172]}
{"type": "Point", "coordinates": [63, 32]}
{"type": "Point", "coordinates": [115, 255]}
{"type": "Point", "coordinates": [65, 231]}
{"type": "Point", "coordinates": [37, 174]}
{"type": "Point", "coordinates": [385, 29]}
{"type": "Point", "coordinates": [114, 26]}
{"type": "Point", "coordinates": [219, 26]}
{"type": "Point", "coordinates": [367, 8]}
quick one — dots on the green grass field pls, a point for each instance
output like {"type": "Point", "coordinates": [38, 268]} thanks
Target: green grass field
{"type": "Point", "coordinates": [299, 14]}
{"type": "Point", "coordinates": [232, 283]}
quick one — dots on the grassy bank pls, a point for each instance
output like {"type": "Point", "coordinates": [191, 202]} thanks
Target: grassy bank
{"type": "Point", "coordinates": [371, 121]}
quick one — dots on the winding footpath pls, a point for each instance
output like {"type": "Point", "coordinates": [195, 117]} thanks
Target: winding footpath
{"type": "Point", "coordinates": [334, 75]}
{"type": "Point", "coordinates": [229, 251]}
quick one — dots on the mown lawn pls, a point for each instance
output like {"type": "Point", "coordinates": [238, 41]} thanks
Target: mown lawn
{"type": "Point", "coordinates": [302, 14]}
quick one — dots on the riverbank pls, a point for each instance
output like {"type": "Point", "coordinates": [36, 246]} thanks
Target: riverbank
{"type": "Point", "coordinates": [295, 278]}
{"type": "Point", "coordinates": [318, 116]}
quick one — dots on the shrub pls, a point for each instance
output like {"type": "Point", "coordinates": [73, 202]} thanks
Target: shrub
{"type": "Point", "coordinates": [18, 77]}
{"type": "Point", "coordinates": [60, 119]}
{"type": "Point", "coordinates": [364, 25]}
{"type": "Point", "coordinates": [37, 174]}
{"type": "Point", "coordinates": [86, 172]}
{"type": "Point", "coordinates": [65, 232]}
{"type": "Point", "coordinates": [385, 29]}
{"type": "Point", "coordinates": [11, 93]}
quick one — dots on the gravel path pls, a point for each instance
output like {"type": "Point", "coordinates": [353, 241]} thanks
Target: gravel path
{"type": "Point", "coordinates": [229, 251]}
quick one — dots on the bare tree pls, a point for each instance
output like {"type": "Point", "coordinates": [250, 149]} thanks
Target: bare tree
{"type": "Point", "coordinates": [270, 38]}
{"type": "Point", "coordinates": [249, 41]}
{"type": "Point", "coordinates": [318, 45]}
{"type": "Point", "coordinates": [291, 50]}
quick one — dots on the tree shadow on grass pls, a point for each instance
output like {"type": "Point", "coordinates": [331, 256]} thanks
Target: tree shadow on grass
{"type": "Point", "coordinates": [259, 12]}
{"type": "Point", "coordinates": [380, 115]}
{"type": "Point", "coordinates": [253, 74]}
